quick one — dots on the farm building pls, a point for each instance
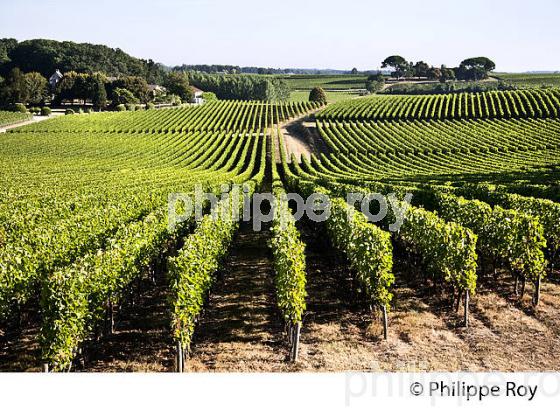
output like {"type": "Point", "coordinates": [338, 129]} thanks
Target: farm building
{"type": "Point", "coordinates": [197, 96]}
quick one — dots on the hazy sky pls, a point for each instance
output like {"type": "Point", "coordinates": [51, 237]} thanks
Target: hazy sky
{"type": "Point", "coordinates": [518, 35]}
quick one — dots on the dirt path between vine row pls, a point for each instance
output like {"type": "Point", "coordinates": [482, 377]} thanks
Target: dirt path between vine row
{"type": "Point", "coordinates": [301, 138]}
{"type": "Point", "coordinates": [241, 329]}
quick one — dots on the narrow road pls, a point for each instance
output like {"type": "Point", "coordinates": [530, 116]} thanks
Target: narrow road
{"type": "Point", "coordinates": [301, 138]}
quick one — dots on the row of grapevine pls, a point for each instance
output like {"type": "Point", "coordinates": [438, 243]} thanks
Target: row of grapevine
{"type": "Point", "coordinates": [547, 211]}
{"type": "Point", "coordinates": [193, 271]}
{"type": "Point", "coordinates": [421, 167]}
{"type": "Point", "coordinates": [75, 299]}
{"type": "Point", "coordinates": [241, 116]}
{"type": "Point", "coordinates": [369, 251]}
{"type": "Point", "coordinates": [440, 137]}
{"type": "Point", "coordinates": [288, 252]}
{"type": "Point", "coordinates": [513, 236]}
{"type": "Point", "coordinates": [537, 103]}
{"type": "Point", "coordinates": [39, 242]}
{"type": "Point", "coordinates": [506, 235]}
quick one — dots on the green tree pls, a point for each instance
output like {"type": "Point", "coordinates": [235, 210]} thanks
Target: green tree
{"type": "Point", "coordinates": [123, 96]}
{"type": "Point", "coordinates": [209, 96]}
{"type": "Point", "coordinates": [99, 94]}
{"type": "Point", "coordinates": [65, 89]}
{"type": "Point", "coordinates": [399, 65]}
{"type": "Point", "coordinates": [318, 95]}
{"type": "Point", "coordinates": [375, 83]}
{"type": "Point", "coordinates": [421, 69]}
{"type": "Point", "coordinates": [15, 88]}
{"type": "Point", "coordinates": [136, 85]}
{"type": "Point", "coordinates": [447, 74]}
{"type": "Point", "coordinates": [45, 56]}
{"type": "Point", "coordinates": [474, 69]}
{"type": "Point", "coordinates": [354, 71]}
{"type": "Point", "coordinates": [37, 87]}
{"type": "Point", "coordinates": [178, 84]}
{"type": "Point", "coordinates": [434, 73]}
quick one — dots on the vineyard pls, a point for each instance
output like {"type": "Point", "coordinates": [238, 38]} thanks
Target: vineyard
{"type": "Point", "coordinates": [462, 264]}
{"type": "Point", "coordinates": [492, 104]}
{"type": "Point", "coordinates": [531, 80]}
{"type": "Point", "coordinates": [9, 118]}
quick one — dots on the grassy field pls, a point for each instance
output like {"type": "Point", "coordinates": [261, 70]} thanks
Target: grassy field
{"type": "Point", "coordinates": [332, 97]}
{"type": "Point", "coordinates": [328, 82]}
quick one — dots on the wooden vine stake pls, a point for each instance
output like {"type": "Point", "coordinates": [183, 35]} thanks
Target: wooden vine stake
{"type": "Point", "coordinates": [466, 313]}
{"type": "Point", "coordinates": [385, 324]}
{"type": "Point", "coordinates": [537, 295]}
{"type": "Point", "coordinates": [295, 342]}
{"type": "Point", "coordinates": [111, 317]}
{"type": "Point", "coordinates": [45, 367]}
{"type": "Point", "coordinates": [180, 363]}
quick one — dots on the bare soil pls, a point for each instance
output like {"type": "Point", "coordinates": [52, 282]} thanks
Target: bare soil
{"type": "Point", "coordinates": [19, 345]}
{"type": "Point", "coordinates": [241, 330]}
{"type": "Point", "coordinates": [141, 341]}
{"type": "Point", "coordinates": [301, 138]}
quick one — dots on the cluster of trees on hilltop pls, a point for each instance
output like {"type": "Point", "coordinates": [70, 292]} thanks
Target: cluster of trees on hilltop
{"type": "Point", "coordinates": [471, 69]}
{"type": "Point", "coordinates": [241, 87]}
{"type": "Point", "coordinates": [46, 56]}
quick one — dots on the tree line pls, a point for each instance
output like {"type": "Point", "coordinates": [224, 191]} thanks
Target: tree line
{"type": "Point", "coordinates": [241, 87]}
{"type": "Point", "coordinates": [96, 88]}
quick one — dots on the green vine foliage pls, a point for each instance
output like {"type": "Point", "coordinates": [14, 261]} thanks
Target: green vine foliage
{"type": "Point", "coordinates": [74, 298]}
{"type": "Point", "coordinates": [504, 234]}
{"type": "Point", "coordinates": [448, 249]}
{"type": "Point", "coordinates": [367, 247]}
{"type": "Point", "coordinates": [289, 260]}
{"type": "Point", "coordinates": [192, 271]}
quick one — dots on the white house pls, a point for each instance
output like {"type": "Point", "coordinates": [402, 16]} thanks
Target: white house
{"type": "Point", "coordinates": [156, 90]}
{"type": "Point", "coordinates": [197, 96]}
{"type": "Point", "coordinates": [55, 78]}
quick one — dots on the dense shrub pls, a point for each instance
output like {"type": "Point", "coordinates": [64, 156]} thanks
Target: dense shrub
{"type": "Point", "coordinates": [318, 95]}
{"type": "Point", "coordinates": [45, 111]}
{"type": "Point", "coordinates": [69, 111]}
{"type": "Point", "coordinates": [130, 107]}
{"type": "Point", "coordinates": [150, 106]}
{"type": "Point", "coordinates": [18, 107]}
{"type": "Point", "coordinates": [120, 107]}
